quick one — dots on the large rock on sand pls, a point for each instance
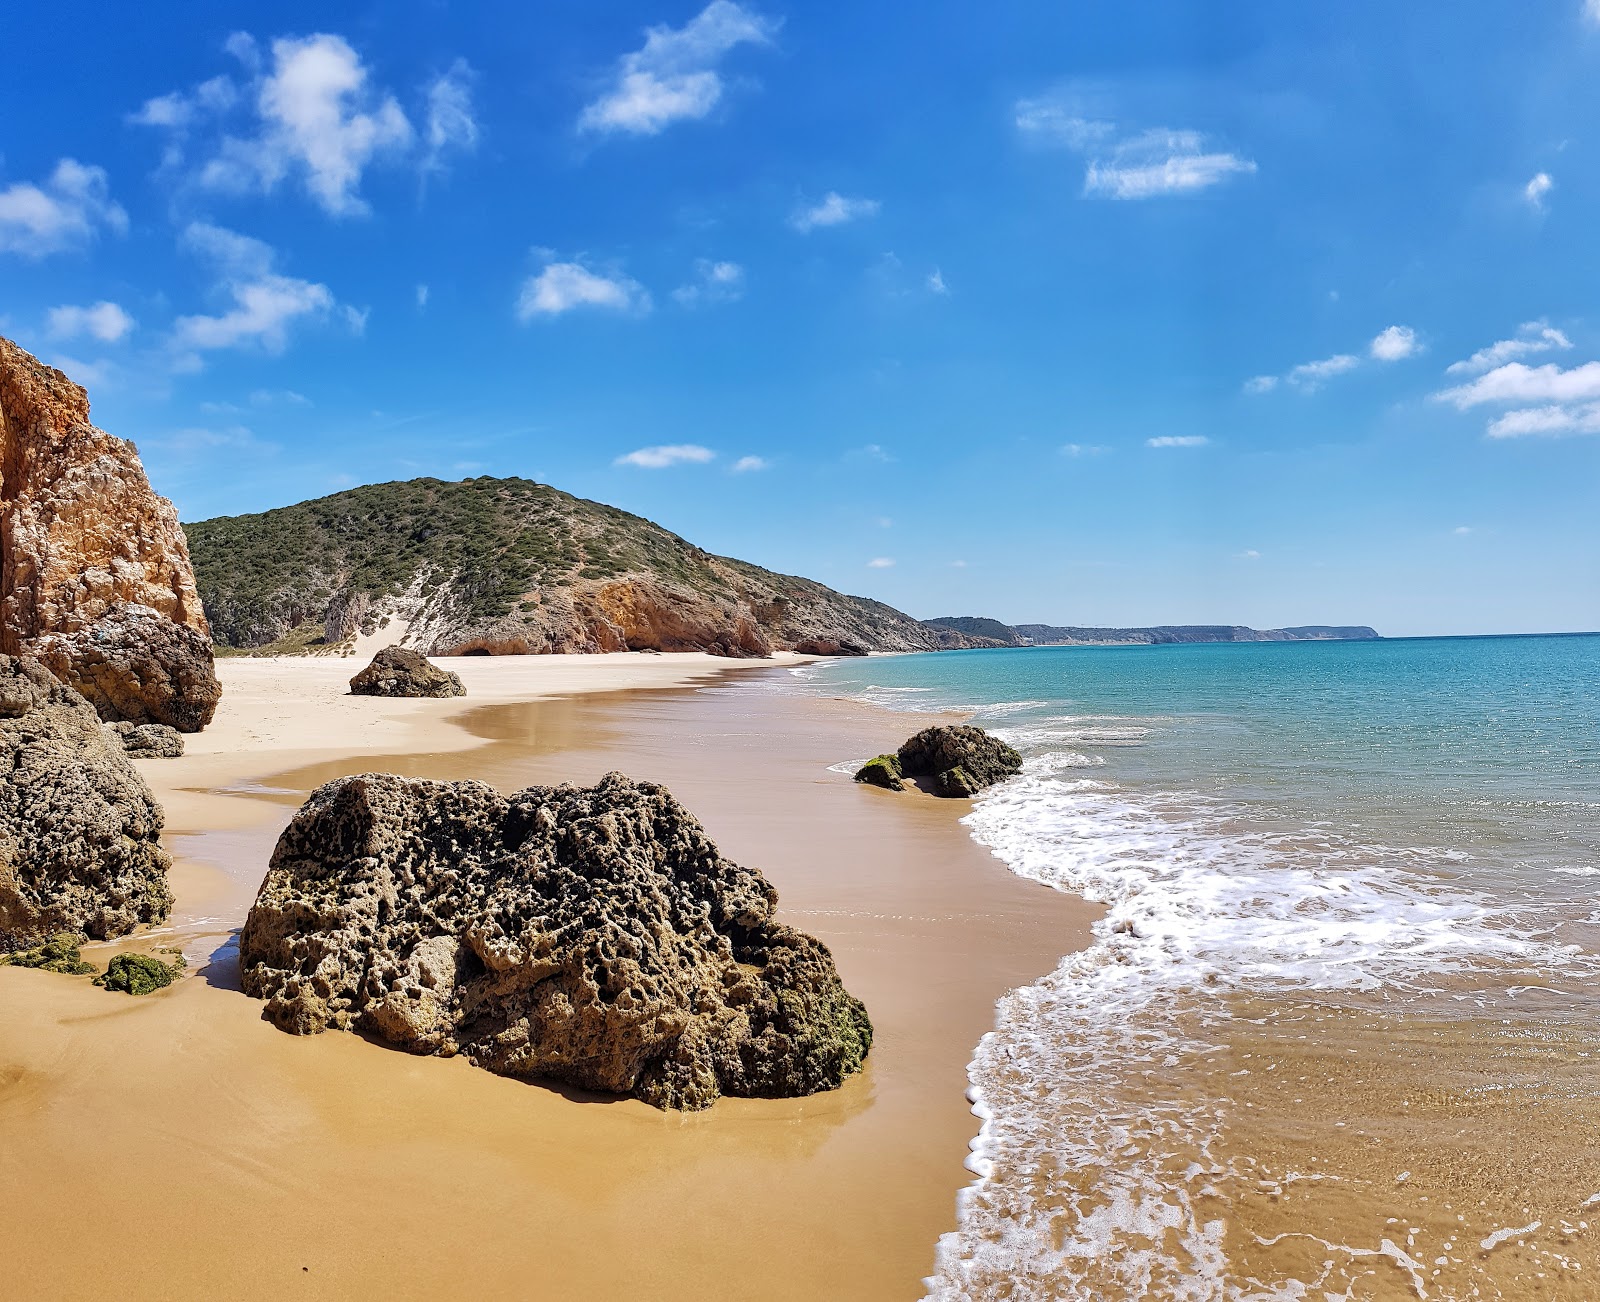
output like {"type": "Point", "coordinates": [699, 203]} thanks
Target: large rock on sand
{"type": "Point", "coordinates": [958, 761]}
{"type": "Point", "coordinates": [78, 826]}
{"type": "Point", "coordinates": [95, 579]}
{"type": "Point", "coordinates": [400, 671]}
{"type": "Point", "coordinates": [589, 935]}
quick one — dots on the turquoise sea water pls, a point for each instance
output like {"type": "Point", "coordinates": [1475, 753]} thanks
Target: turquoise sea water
{"type": "Point", "coordinates": [1407, 826]}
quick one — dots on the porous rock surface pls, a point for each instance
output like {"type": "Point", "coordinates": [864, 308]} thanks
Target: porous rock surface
{"type": "Point", "coordinates": [79, 828]}
{"type": "Point", "coordinates": [95, 578]}
{"type": "Point", "coordinates": [958, 760]}
{"type": "Point", "coordinates": [400, 671]}
{"type": "Point", "coordinates": [588, 935]}
{"type": "Point", "coordinates": [146, 740]}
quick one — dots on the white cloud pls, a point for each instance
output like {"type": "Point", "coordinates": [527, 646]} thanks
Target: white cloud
{"type": "Point", "coordinates": [1531, 337]}
{"type": "Point", "coordinates": [834, 209]}
{"type": "Point", "coordinates": [1261, 384]}
{"type": "Point", "coordinates": [66, 212]}
{"type": "Point", "coordinates": [1394, 343]}
{"type": "Point", "coordinates": [674, 76]}
{"type": "Point", "coordinates": [658, 458]}
{"type": "Point", "coordinates": [314, 117]}
{"type": "Point", "coordinates": [870, 452]}
{"type": "Point", "coordinates": [714, 282]}
{"type": "Point", "coordinates": [356, 318]}
{"type": "Point", "coordinates": [1122, 164]}
{"type": "Point", "coordinates": [880, 563]}
{"type": "Point", "coordinates": [1591, 11]}
{"type": "Point", "coordinates": [265, 303]}
{"type": "Point", "coordinates": [1462, 529]}
{"type": "Point", "coordinates": [936, 283]}
{"type": "Point", "coordinates": [1310, 376]}
{"type": "Point", "coordinates": [564, 286]}
{"type": "Point", "coordinates": [1550, 421]}
{"type": "Point", "coordinates": [422, 296]}
{"type": "Point", "coordinates": [1250, 554]}
{"type": "Point", "coordinates": [744, 465]}
{"type": "Point", "coordinates": [1518, 382]}
{"type": "Point", "coordinates": [1178, 441]}
{"type": "Point", "coordinates": [104, 321]}
{"type": "Point", "coordinates": [1538, 189]}
{"type": "Point", "coordinates": [958, 565]}
{"type": "Point", "coordinates": [1082, 449]}
{"type": "Point", "coordinates": [450, 125]}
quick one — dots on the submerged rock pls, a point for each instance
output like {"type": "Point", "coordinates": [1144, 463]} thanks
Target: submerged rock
{"type": "Point", "coordinates": [882, 771]}
{"type": "Point", "coordinates": [589, 935]}
{"type": "Point", "coordinates": [98, 583]}
{"type": "Point", "coordinates": [399, 671]}
{"type": "Point", "coordinates": [79, 829]}
{"type": "Point", "coordinates": [147, 740]}
{"type": "Point", "coordinates": [960, 761]}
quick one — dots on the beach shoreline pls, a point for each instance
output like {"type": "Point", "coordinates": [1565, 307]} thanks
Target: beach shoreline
{"type": "Point", "coordinates": [842, 1194]}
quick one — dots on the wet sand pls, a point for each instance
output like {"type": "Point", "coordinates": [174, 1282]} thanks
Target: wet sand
{"type": "Point", "coordinates": [178, 1146]}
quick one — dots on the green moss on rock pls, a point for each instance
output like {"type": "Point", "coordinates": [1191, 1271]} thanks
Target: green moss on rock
{"type": "Point", "coordinates": [882, 771]}
{"type": "Point", "coordinates": [58, 954]}
{"type": "Point", "coordinates": [954, 783]}
{"type": "Point", "coordinates": [139, 974]}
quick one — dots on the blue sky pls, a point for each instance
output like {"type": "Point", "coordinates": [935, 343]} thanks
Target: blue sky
{"type": "Point", "coordinates": [1074, 312]}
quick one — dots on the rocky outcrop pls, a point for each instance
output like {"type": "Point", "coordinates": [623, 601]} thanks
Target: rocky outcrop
{"type": "Point", "coordinates": [882, 771]}
{"type": "Point", "coordinates": [399, 671]}
{"type": "Point", "coordinates": [95, 577]}
{"type": "Point", "coordinates": [146, 740]}
{"type": "Point", "coordinates": [827, 646]}
{"type": "Point", "coordinates": [588, 935]}
{"type": "Point", "coordinates": [79, 828]}
{"type": "Point", "coordinates": [957, 761]}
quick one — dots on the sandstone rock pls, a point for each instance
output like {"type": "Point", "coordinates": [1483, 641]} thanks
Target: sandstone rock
{"type": "Point", "coordinates": [590, 935]}
{"type": "Point", "coordinates": [94, 570]}
{"type": "Point", "coordinates": [399, 671]}
{"type": "Point", "coordinates": [147, 740]}
{"type": "Point", "coordinates": [827, 646]}
{"type": "Point", "coordinates": [961, 761]}
{"type": "Point", "coordinates": [79, 828]}
{"type": "Point", "coordinates": [882, 771]}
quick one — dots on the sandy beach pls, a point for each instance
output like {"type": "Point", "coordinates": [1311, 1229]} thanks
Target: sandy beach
{"type": "Point", "coordinates": [177, 1146]}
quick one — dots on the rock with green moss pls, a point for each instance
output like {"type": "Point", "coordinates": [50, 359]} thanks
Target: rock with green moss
{"type": "Point", "coordinates": [954, 784]}
{"type": "Point", "coordinates": [882, 771]}
{"type": "Point", "coordinates": [58, 954]}
{"type": "Point", "coordinates": [139, 974]}
{"type": "Point", "coordinates": [959, 761]}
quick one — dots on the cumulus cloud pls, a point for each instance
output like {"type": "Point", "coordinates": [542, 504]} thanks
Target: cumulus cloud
{"type": "Point", "coordinates": [311, 115]}
{"type": "Point", "coordinates": [1394, 344]}
{"type": "Point", "coordinates": [104, 321]}
{"type": "Point", "coordinates": [1551, 421]}
{"type": "Point", "coordinates": [1544, 400]}
{"type": "Point", "coordinates": [265, 304]}
{"type": "Point", "coordinates": [565, 286]}
{"type": "Point", "coordinates": [1531, 337]}
{"type": "Point", "coordinates": [833, 209]}
{"type": "Point", "coordinates": [1538, 189]}
{"type": "Point", "coordinates": [1122, 163]}
{"type": "Point", "coordinates": [1178, 441]}
{"type": "Point", "coordinates": [674, 76]}
{"type": "Point", "coordinates": [672, 454]}
{"type": "Point", "coordinates": [714, 282]}
{"type": "Point", "coordinates": [744, 465]}
{"type": "Point", "coordinates": [880, 562]}
{"type": "Point", "coordinates": [66, 211]}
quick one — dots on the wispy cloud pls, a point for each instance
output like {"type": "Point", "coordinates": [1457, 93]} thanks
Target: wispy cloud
{"type": "Point", "coordinates": [674, 76]}
{"type": "Point", "coordinates": [935, 283]}
{"type": "Point", "coordinates": [1178, 441]}
{"type": "Point", "coordinates": [1461, 530]}
{"type": "Point", "coordinates": [833, 209]}
{"type": "Point", "coordinates": [1249, 554]}
{"type": "Point", "coordinates": [745, 465]}
{"type": "Point", "coordinates": [1543, 400]}
{"type": "Point", "coordinates": [1531, 337]}
{"type": "Point", "coordinates": [1310, 376]}
{"type": "Point", "coordinates": [659, 458]}
{"type": "Point", "coordinates": [1124, 163]}
{"type": "Point", "coordinates": [1538, 189]}
{"type": "Point", "coordinates": [104, 321]}
{"type": "Point", "coordinates": [1395, 343]}
{"type": "Point", "coordinates": [880, 563]}
{"type": "Point", "coordinates": [1082, 449]}
{"type": "Point", "coordinates": [564, 286]}
{"type": "Point", "coordinates": [65, 212]}
{"type": "Point", "coordinates": [308, 114]}
{"type": "Point", "coordinates": [713, 282]}
{"type": "Point", "coordinates": [422, 296]}
{"type": "Point", "coordinates": [1391, 344]}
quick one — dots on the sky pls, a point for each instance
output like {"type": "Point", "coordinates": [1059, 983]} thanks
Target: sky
{"type": "Point", "coordinates": [1065, 312]}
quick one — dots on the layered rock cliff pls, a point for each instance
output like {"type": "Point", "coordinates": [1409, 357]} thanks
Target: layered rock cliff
{"type": "Point", "coordinates": [95, 578]}
{"type": "Point", "coordinates": [510, 567]}
{"type": "Point", "coordinates": [591, 935]}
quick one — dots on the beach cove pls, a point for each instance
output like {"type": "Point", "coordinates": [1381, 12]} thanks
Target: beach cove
{"type": "Point", "coordinates": [209, 1148]}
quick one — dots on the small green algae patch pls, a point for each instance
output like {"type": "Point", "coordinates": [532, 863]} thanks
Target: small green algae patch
{"type": "Point", "coordinates": [58, 954]}
{"type": "Point", "coordinates": [139, 974]}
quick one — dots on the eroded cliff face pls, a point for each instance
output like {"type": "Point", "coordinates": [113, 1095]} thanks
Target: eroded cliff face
{"type": "Point", "coordinates": [95, 578]}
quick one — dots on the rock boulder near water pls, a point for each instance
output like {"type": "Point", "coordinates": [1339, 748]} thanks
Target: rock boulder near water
{"type": "Point", "coordinates": [95, 578]}
{"type": "Point", "coordinates": [399, 671]}
{"type": "Point", "coordinates": [79, 829]}
{"type": "Point", "coordinates": [957, 762]}
{"type": "Point", "coordinates": [587, 935]}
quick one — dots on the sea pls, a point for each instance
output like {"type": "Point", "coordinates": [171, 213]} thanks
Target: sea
{"type": "Point", "coordinates": [1338, 1034]}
